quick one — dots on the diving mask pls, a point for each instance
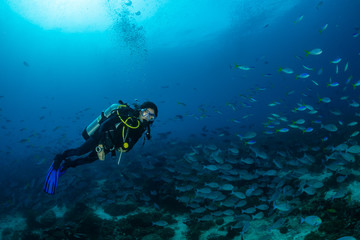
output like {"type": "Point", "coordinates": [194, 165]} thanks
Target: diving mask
{"type": "Point", "coordinates": [146, 114]}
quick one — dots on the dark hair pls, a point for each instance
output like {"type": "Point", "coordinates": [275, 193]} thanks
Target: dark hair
{"type": "Point", "coordinates": [150, 105]}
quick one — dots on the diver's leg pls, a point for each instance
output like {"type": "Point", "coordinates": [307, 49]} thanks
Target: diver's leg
{"type": "Point", "coordinates": [86, 147]}
{"type": "Point", "coordinates": [92, 157]}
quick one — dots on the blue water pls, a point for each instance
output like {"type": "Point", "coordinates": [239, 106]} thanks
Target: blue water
{"type": "Point", "coordinates": [55, 81]}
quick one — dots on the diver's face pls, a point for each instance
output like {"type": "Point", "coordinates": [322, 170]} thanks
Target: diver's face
{"type": "Point", "coordinates": [147, 114]}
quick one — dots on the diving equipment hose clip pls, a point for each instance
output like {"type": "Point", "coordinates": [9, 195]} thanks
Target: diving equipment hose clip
{"type": "Point", "coordinates": [100, 152]}
{"type": "Point", "coordinates": [99, 149]}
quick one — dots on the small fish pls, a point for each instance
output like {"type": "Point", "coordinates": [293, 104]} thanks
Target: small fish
{"type": "Point", "coordinates": [303, 75]}
{"type": "Point", "coordinates": [273, 104]}
{"type": "Point", "coordinates": [181, 103]}
{"type": "Point", "coordinates": [290, 93]}
{"type": "Point", "coordinates": [352, 124]}
{"type": "Point", "coordinates": [269, 132]}
{"type": "Point", "coordinates": [354, 149]}
{"type": "Point", "coordinates": [323, 28]}
{"type": "Point", "coordinates": [299, 19]}
{"type": "Point", "coordinates": [336, 61]}
{"type": "Point", "coordinates": [333, 84]}
{"type": "Point", "coordinates": [243, 67]}
{"type": "Point", "coordinates": [282, 206]}
{"type": "Point", "coordinates": [248, 135]}
{"type": "Point", "coordinates": [204, 190]}
{"type": "Point", "coordinates": [356, 84]}
{"type": "Point", "coordinates": [211, 167]}
{"type": "Point", "coordinates": [325, 100]}
{"type": "Point", "coordinates": [346, 67]}
{"type": "Point", "coordinates": [259, 215]}
{"type": "Point", "coordinates": [312, 220]}
{"type": "Point", "coordinates": [355, 134]}
{"type": "Point", "coordinates": [26, 64]}
{"type": "Point", "coordinates": [337, 69]}
{"type": "Point", "coordinates": [251, 142]}
{"type": "Point", "coordinates": [316, 51]}
{"type": "Point", "coordinates": [308, 68]}
{"type": "Point", "coordinates": [309, 129]}
{"type": "Point", "coordinates": [284, 119]}
{"type": "Point", "coordinates": [354, 104]}
{"type": "Point", "coordinates": [227, 187]}
{"type": "Point", "coordinates": [300, 121]}
{"type": "Point", "coordinates": [301, 108]}
{"type": "Point", "coordinates": [336, 112]}
{"type": "Point", "coordinates": [330, 127]}
{"type": "Point", "coordinates": [231, 105]}
{"type": "Point", "coordinates": [286, 70]}
{"type": "Point", "coordinates": [246, 116]}
{"type": "Point", "coordinates": [315, 83]}
{"type": "Point", "coordinates": [212, 185]}
{"type": "Point", "coordinates": [324, 139]}
{"type": "Point", "coordinates": [249, 210]}
{"type": "Point", "coordinates": [282, 130]}
{"type": "Point", "coordinates": [160, 223]}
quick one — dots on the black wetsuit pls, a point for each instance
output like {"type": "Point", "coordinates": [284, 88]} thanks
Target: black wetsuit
{"type": "Point", "coordinates": [110, 135]}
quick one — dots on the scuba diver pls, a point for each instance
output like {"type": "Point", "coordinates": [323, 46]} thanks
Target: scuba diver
{"type": "Point", "coordinates": [118, 128]}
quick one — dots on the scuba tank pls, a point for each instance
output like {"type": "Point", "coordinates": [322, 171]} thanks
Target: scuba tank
{"type": "Point", "coordinates": [94, 125]}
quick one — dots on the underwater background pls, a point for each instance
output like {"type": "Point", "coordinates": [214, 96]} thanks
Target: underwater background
{"type": "Point", "coordinates": [258, 129]}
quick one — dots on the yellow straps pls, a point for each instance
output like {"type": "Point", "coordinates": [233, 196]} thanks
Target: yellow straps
{"type": "Point", "coordinates": [125, 122]}
{"type": "Point", "coordinates": [125, 144]}
{"type": "Point", "coordinates": [129, 126]}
